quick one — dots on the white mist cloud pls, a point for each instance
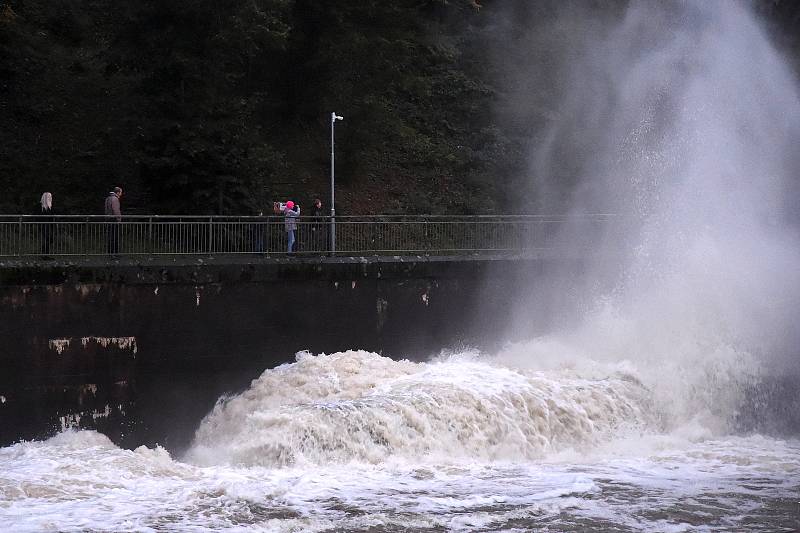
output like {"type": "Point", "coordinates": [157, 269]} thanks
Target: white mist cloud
{"type": "Point", "coordinates": [682, 118]}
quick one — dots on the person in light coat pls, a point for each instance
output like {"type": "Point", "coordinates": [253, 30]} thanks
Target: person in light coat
{"type": "Point", "coordinates": [46, 225]}
{"type": "Point", "coordinates": [112, 209]}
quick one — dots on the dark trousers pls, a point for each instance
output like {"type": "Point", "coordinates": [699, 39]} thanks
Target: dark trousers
{"type": "Point", "coordinates": [319, 237]}
{"type": "Point", "coordinates": [45, 237]}
{"type": "Point", "coordinates": [112, 238]}
{"type": "Point", "coordinates": [262, 238]}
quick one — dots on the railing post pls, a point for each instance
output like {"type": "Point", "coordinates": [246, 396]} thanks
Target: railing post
{"type": "Point", "coordinates": [86, 239]}
{"type": "Point", "coordinates": [19, 237]}
{"type": "Point", "coordinates": [210, 235]}
{"type": "Point", "coordinates": [426, 239]}
{"type": "Point", "coordinates": [333, 234]}
{"type": "Point", "coordinates": [150, 247]}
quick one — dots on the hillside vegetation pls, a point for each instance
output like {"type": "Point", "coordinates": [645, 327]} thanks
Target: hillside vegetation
{"type": "Point", "coordinates": [198, 106]}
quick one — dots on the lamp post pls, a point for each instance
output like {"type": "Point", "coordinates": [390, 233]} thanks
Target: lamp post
{"type": "Point", "coordinates": [334, 118]}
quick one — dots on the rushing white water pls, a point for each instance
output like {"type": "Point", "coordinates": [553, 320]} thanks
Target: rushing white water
{"type": "Point", "coordinates": [353, 441]}
{"type": "Point", "coordinates": [360, 406]}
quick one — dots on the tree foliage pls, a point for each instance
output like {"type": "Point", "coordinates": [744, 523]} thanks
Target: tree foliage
{"type": "Point", "coordinates": [197, 106]}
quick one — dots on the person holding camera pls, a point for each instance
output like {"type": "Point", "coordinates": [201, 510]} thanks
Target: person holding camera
{"type": "Point", "coordinates": [290, 212]}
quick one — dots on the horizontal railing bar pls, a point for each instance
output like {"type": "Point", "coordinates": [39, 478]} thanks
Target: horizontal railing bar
{"type": "Point", "coordinates": [259, 217]}
{"type": "Point", "coordinates": [137, 235]}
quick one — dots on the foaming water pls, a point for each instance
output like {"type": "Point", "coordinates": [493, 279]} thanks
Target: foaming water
{"type": "Point", "coordinates": [358, 406]}
{"type": "Point", "coordinates": [698, 382]}
{"type": "Point", "coordinates": [584, 465]}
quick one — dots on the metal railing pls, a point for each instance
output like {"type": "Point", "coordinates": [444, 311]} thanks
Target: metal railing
{"type": "Point", "coordinates": [85, 235]}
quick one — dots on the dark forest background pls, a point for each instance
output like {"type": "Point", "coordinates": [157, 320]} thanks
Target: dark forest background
{"type": "Point", "coordinates": [208, 107]}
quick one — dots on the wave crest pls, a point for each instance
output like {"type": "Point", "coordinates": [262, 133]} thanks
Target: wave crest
{"type": "Point", "coordinates": [359, 406]}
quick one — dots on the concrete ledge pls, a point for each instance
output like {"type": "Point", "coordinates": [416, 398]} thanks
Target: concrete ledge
{"type": "Point", "coordinates": [247, 268]}
{"type": "Point", "coordinates": [239, 259]}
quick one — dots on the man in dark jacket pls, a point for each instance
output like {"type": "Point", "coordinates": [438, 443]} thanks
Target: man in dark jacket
{"type": "Point", "coordinates": [113, 209]}
{"type": "Point", "coordinates": [318, 228]}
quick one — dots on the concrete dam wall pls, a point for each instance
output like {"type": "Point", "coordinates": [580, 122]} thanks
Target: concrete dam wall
{"type": "Point", "coordinates": [142, 349]}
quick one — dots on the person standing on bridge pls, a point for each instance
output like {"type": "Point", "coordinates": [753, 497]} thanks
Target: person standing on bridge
{"type": "Point", "coordinates": [113, 209]}
{"type": "Point", "coordinates": [290, 212]}
{"type": "Point", "coordinates": [318, 230]}
{"type": "Point", "coordinates": [46, 227]}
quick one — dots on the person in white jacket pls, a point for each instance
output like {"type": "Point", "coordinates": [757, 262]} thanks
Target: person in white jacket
{"type": "Point", "coordinates": [46, 226]}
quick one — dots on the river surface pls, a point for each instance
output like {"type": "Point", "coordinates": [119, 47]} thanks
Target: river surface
{"type": "Point", "coordinates": [357, 442]}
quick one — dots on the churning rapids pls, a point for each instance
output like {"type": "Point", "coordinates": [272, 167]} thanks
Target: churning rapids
{"type": "Point", "coordinates": [357, 442]}
{"type": "Point", "coordinates": [646, 407]}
